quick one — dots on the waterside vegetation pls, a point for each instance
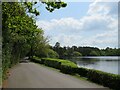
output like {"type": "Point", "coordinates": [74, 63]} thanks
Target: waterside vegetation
{"type": "Point", "coordinates": [76, 51]}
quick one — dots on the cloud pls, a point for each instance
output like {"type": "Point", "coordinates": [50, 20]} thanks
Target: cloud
{"type": "Point", "coordinates": [103, 8]}
{"type": "Point", "coordinates": [63, 24]}
{"type": "Point", "coordinates": [99, 27]}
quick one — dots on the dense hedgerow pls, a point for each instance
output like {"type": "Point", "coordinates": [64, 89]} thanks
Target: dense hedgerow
{"type": "Point", "coordinates": [51, 63]}
{"type": "Point", "coordinates": [104, 78]}
{"type": "Point", "coordinates": [82, 71]}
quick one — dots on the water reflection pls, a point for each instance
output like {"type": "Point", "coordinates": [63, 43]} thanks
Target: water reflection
{"type": "Point", "coordinates": [107, 64]}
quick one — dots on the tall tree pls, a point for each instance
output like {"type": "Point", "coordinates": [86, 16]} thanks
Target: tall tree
{"type": "Point", "coordinates": [20, 33]}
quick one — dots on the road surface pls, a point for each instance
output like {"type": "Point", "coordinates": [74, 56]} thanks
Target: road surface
{"type": "Point", "coordinates": [31, 75]}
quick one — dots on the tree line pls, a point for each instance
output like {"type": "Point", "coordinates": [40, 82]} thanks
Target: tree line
{"type": "Point", "coordinates": [75, 51]}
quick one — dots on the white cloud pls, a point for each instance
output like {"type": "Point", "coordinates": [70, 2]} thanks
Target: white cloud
{"type": "Point", "coordinates": [66, 24]}
{"type": "Point", "coordinates": [103, 8]}
{"type": "Point", "coordinates": [98, 28]}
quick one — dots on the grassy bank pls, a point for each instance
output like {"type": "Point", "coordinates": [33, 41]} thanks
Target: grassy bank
{"type": "Point", "coordinates": [106, 79]}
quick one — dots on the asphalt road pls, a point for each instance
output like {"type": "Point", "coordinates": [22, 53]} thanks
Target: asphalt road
{"type": "Point", "coordinates": [31, 75]}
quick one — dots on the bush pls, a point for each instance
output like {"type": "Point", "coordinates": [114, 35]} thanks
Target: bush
{"type": "Point", "coordinates": [105, 79]}
{"type": "Point", "coordinates": [52, 54]}
{"type": "Point", "coordinates": [36, 59]}
{"type": "Point", "coordinates": [76, 54]}
{"type": "Point", "coordinates": [68, 67]}
{"type": "Point", "coordinates": [82, 71]}
{"type": "Point", "coordinates": [51, 63]}
{"type": "Point", "coordinates": [65, 66]}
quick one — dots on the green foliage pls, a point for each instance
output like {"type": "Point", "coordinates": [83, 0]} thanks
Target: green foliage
{"type": "Point", "coordinates": [65, 66]}
{"type": "Point", "coordinates": [94, 53]}
{"type": "Point", "coordinates": [68, 52]}
{"type": "Point", "coordinates": [20, 34]}
{"type": "Point", "coordinates": [40, 46]}
{"type": "Point", "coordinates": [52, 54]}
{"type": "Point", "coordinates": [76, 54]}
{"type": "Point", "coordinates": [12, 23]}
{"type": "Point", "coordinates": [51, 6]}
{"type": "Point", "coordinates": [51, 62]}
{"type": "Point", "coordinates": [30, 9]}
{"type": "Point", "coordinates": [82, 71]}
{"type": "Point", "coordinates": [105, 79]}
{"type": "Point", "coordinates": [111, 52]}
{"type": "Point", "coordinates": [67, 63]}
{"type": "Point", "coordinates": [100, 77]}
{"type": "Point", "coordinates": [63, 62]}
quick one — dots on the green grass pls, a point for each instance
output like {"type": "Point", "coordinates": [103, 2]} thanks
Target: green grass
{"type": "Point", "coordinates": [63, 62]}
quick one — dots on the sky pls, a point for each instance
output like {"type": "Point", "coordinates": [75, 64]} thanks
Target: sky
{"type": "Point", "coordinates": [92, 24]}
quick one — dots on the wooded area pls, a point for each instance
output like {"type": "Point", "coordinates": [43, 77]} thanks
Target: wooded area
{"type": "Point", "coordinates": [75, 51]}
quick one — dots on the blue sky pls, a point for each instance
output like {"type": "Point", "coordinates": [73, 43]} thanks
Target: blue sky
{"type": "Point", "coordinates": [79, 12]}
{"type": "Point", "coordinates": [81, 24]}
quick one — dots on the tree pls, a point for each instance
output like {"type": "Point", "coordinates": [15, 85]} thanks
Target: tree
{"type": "Point", "coordinates": [94, 53]}
{"type": "Point", "coordinates": [21, 36]}
{"type": "Point", "coordinates": [50, 6]}
{"type": "Point", "coordinates": [52, 54]}
{"type": "Point", "coordinates": [57, 45]}
{"type": "Point", "coordinates": [76, 54]}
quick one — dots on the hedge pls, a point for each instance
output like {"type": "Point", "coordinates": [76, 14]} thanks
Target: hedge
{"type": "Point", "coordinates": [104, 78]}
{"type": "Point", "coordinates": [51, 63]}
{"type": "Point", "coordinates": [68, 67]}
{"type": "Point", "coordinates": [65, 66]}
{"type": "Point", "coordinates": [36, 59]}
{"type": "Point", "coordinates": [82, 71]}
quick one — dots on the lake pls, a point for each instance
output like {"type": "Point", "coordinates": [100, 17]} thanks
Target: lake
{"type": "Point", "coordinates": [110, 64]}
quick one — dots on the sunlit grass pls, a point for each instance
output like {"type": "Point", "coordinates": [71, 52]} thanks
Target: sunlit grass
{"type": "Point", "coordinates": [63, 62]}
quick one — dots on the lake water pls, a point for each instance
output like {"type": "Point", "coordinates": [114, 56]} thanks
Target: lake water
{"type": "Point", "coordinates": [110, 64]}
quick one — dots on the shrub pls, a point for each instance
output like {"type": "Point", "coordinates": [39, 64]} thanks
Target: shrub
{"type": "Point", "coordinates": [51, 62]}
{"type": "Point", "coordinates": [52, 54]}
{"type": "Point", "coordinates": [68, 67]}
{"type": "Point", "coordinates": [82, 71]}
{"type": "Point", "coordinates": [65, 66]}
{"type": "Point", "coordinates": [76, 54]}
{"type": "Point", "coordinates": [36, 59]}
{"type": "Point", "coordinates": [105, 79]}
